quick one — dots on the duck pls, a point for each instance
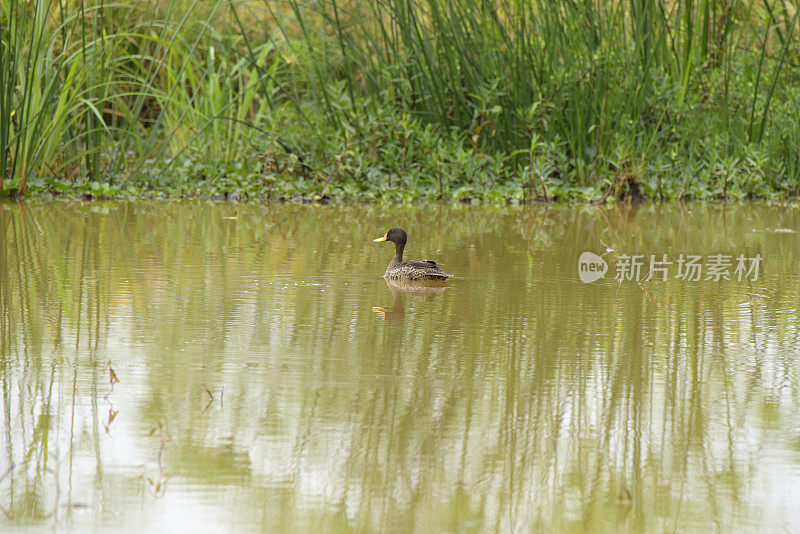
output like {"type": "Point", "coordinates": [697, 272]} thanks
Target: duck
{"type": "Point", "coordinates": [400, 269]}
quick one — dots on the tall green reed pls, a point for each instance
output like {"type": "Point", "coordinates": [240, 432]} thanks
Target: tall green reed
{"type": "Point", "coordinates": [42, 88]}
{"type": "Point", "coordinates": [93, 90]}
{"type": "Point", "coordinates": [576, 72]}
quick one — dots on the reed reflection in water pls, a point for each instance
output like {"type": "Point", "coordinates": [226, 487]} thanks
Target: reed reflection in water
{"type": "Point", "coordinates": [194, 365]}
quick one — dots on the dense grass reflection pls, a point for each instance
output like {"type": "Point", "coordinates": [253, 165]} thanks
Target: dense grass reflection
{"type": "Point", "coordinates": [267, 376]}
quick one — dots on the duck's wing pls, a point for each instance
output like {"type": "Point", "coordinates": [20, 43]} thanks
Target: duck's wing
{"type": "Point", "coordinates": [424, 264]}
{"type": "Point", "coordinates": [427, 269]}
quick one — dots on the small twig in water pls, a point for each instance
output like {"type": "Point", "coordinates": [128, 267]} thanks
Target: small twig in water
{"type": "Point", "coordinates": [625, 497]}
{"type": "Point", "coordinates": [609, 250]}
{"type": "Point", "coordinates": [210, 402]}
{"type": "Point", "coordinates": [112, 376]}
{"type": "Point", "coordinates": [159, 485]}
{"type": "Point", "coordinates": [647, 278]}
{"type": "Point", "coordinates": [112, 414]}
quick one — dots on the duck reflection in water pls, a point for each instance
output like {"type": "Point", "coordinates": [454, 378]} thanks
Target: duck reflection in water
{"type": "Point", "coordinates": [426, 289]}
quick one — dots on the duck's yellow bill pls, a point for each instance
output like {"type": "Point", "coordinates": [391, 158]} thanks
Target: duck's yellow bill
{"type": "Point", "coordinates": [382, 238]}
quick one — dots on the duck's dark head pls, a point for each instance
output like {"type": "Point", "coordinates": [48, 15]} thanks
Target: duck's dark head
{"type": "Point", "coordinates": [396, 235]}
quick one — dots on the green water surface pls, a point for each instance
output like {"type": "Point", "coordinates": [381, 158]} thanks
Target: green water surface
{"type": "Point", "coordinates": [201, 367]}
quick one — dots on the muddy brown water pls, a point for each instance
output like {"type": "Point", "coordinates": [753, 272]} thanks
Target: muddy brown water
{"type": "Point", "coordinates": [177, 366]}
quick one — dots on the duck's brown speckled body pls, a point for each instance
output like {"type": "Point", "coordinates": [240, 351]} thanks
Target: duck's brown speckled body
{"type": "Point", "coordinates": [400, 269]}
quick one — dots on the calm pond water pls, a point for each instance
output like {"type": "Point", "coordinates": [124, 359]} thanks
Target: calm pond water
{"type": "Point", "coordinates": [204, 367]}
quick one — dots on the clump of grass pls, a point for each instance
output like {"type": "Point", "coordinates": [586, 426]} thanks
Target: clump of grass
{"type": "Point", "coordinates": [90, 89]}
{"type": "Point", "coordinates": [42, 119]}
{"type": "Point", "coordinates": [401, 99]}
{"type": "Point", "coordinates": [580, 74]}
